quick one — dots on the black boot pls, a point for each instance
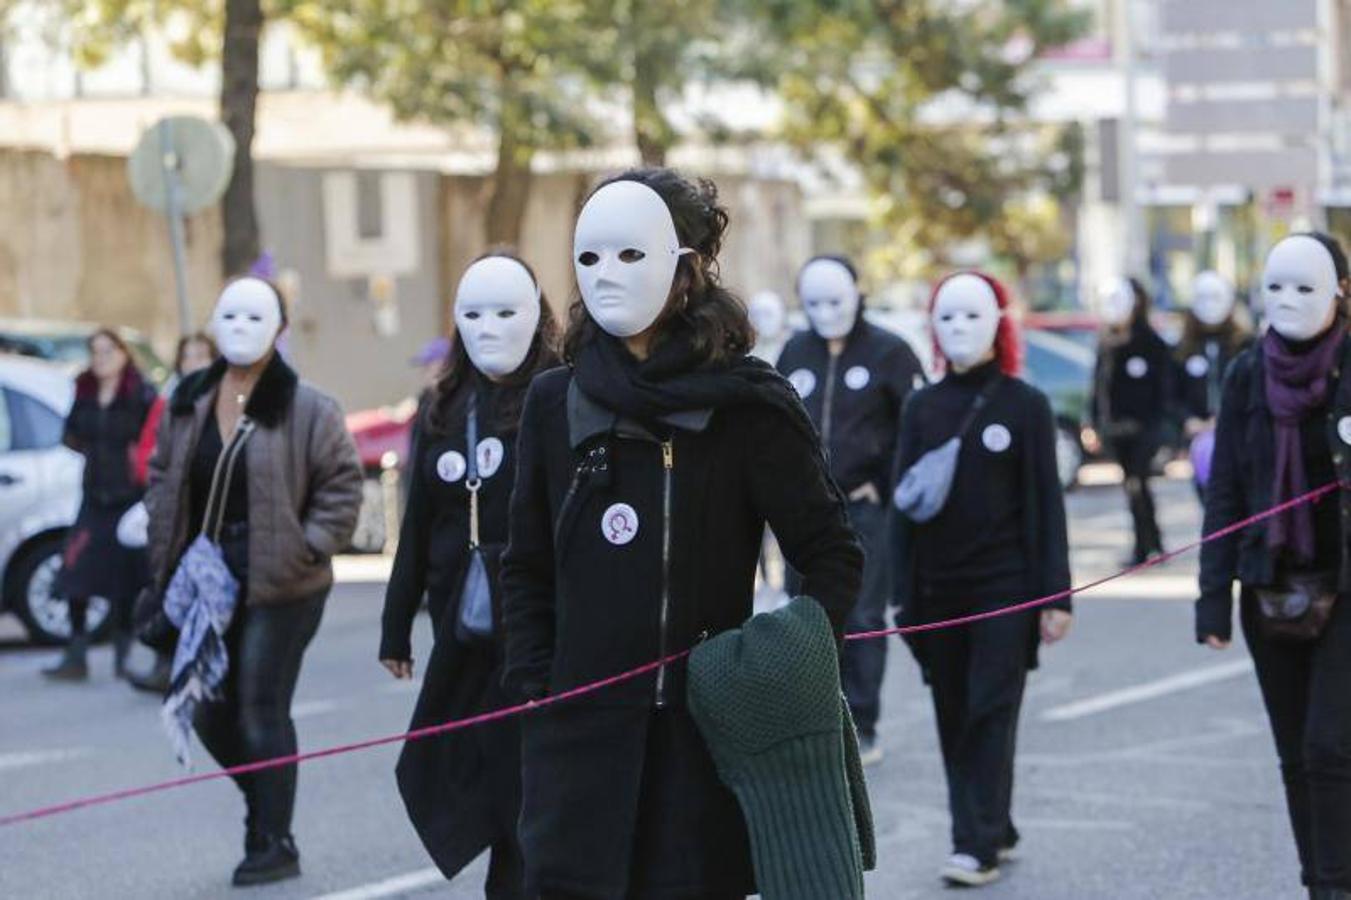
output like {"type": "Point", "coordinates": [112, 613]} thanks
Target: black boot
{"type": "Point", "coordinates": [273, 859]}
{"type": "Point", "coordinates": [156, 681]}
{"type": "Point", "coordinates": [121, 650]}
{"type": "Point", "coordinates": [73, 665]}
{"type": "Point", "coordinates": [1328, 893]}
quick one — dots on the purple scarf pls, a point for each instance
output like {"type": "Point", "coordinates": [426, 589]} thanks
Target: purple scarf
{"type": "Point", "coordinates": [1297, 383]}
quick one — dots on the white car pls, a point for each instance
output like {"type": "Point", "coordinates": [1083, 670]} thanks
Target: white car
{"type": "Point", "coordinates": [40, 488]}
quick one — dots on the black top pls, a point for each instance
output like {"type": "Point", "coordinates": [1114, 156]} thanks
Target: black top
{"type": "Point", "coordinates": [1133, 385]}
{"type": "Point", "coordinates": [209, 448]}
{"type": "Point", "coordinates": [855, 398]}
{"type": "Point", "coordinates": [1200, 375]}
{"type": "Point", "coordinates": [106, 436]}
{"type": "Point", "coordinates": [1319, 469]}
{"type": "Point", "coordinates": [1001, 536]}
{"type": "Point", "coordinates": [434, 539]}
{"type": "Point", "coordinates": [609, 528]}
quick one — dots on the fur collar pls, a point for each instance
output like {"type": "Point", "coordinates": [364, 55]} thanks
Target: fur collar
{"type": "Point", "coordinates": [131, 385]}
{"type": "Point", "coordinates": [268, 404]}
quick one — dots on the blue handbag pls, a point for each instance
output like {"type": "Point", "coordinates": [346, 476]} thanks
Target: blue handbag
{"type": "Point", "coordinates": [475, 619]}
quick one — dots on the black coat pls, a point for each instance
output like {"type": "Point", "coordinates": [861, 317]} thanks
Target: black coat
{"type": "Point", "coordinates": [583, 580]}
{"type": "Point", "coordinates": [1133, 387]}
{"type": "Point", "coordinates": [462, 790]}
{"type": "Point", "coordinates": [1006, 503]}
{"type": "Point", "coordinates": [855, 399]}
{"type": "Point", "coordinates": [1200, 375]}
{"type": "Point", "coordinates": [1241, 481]}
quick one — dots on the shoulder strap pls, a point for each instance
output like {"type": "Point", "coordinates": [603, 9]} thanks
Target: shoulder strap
{"type": "Point", "coordinates": [978, 403]}
{"type": "Point", "coordinates": [221, 478]}
{"type": "Point", "coordinates": [472, 482]}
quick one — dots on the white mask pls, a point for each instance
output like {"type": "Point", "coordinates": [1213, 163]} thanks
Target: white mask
{"type": "Point", "coordinates": [829, 297]}
{"type": "Point", "coordinates": [965, 319]}
{"type": "Point", "coordinates": [1212, 298]}
{"type": "Point", "coordinates": [625, 252]}
{"type": "Point", "coordinates": [246, 321]}
{"type": "Point", "coordinates": [768, 315]}
{"type": "Point", "coordinates": [1116, 301]}
{"type": "Point", "coordinates": [1299, 286]}
{"type": "Point", "coordinates": [496, 313]}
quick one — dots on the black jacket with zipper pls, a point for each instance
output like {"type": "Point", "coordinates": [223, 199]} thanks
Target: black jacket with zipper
{"type": "Point", "coordinates": [633, 540]}
{"type": "Point", "coordinates": [855, 398]}
{"type": "Point", "coordinates": [1241, 482]}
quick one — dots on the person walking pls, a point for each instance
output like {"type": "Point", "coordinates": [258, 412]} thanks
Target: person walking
{"type": "Point", "coordinates": [998, 538]}
{"type": "Point", "coordinates": [112, 400]}
{"type": "Point", "coordinates": [1284, 428]}
{"type": "Point", "coordinates": [646, 473]}
{"type": "Point", "coordinates": [854, 378]}
{"type": "Point", "coordinates": [463, 791]}
{"type": "Point", "coordinates": [288, 504]}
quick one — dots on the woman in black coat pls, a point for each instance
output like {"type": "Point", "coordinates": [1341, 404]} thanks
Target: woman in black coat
{"type": "Point", "coordinates": [646, 474]}
{"type": "Point", "coordinates": [999, 539]}
{"type": "Point", "coordinates": [1284, 428]}
{"type": "Point", "coordinates": [112, 401]}
{"type": "Point", "coordinates": [463, 790]}
{"type": "Point", "coordinates": [1132, 401]}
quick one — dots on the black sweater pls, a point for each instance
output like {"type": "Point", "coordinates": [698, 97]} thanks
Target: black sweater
{"type": "Point", "coordinates": [855, 399]}
{"type": "Point", "coordinates": [106, 436]}
{"type": "Point", "coordinates": [1200, 375]}
{"type": "Point", "coordinates": [1133, 386]}
{"type": "Point", "coordinates": [1002, 535]}
{"type": "Point", "coordinates": [609, 527]}
{"type": "Point", "coordinates": [434, 540]}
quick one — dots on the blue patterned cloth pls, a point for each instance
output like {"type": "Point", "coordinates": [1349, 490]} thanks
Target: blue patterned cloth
{"type": "Point", "coordinates": [200, 600]}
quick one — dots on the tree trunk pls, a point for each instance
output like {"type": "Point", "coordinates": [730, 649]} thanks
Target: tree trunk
{"type": "Point", "coordinates": [238, 107]}
{"type": "Point", "coordinates": [651, 132]}
{"type": "Point", "coordinates": [509, 189]}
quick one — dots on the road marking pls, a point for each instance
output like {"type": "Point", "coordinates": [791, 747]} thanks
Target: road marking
{"type": "Point", "coordinates": [390, 886]}
{"type": "Point", "coordinates": [308, 708]}
{"type": "Point", "coordinates": [1150, 690]}
{"type": "Point", "coordinates": [23, 760]}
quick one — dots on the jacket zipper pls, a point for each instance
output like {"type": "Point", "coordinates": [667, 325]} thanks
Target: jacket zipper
{"type": "Point", "coordinates": [828, 403]}
{"type": "Point", "coordinates": [668, 464]}
{"type": "Point", "coordinates": [577, 477]}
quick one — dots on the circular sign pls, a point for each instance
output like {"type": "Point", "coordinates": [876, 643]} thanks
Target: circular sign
{"type": "Point", "coordinates": [1136, 367]}
{"type": "Point", "coordinates": [198, 153]}
{"type": "Point", "coordinates": [450, 466]}
{"type": "Point", "coordinates": [1197, 366]}
{"type": "Point", "coordinates": [490, 456]}
{"type": "Point", "coordinates": [803, 381]}
{"type": "Point", "coordinates": [857, 378]}
{"type": "Point", "coordinates": [619, 524]}
{"type": "Point", "coordinates": [996, 438]}
{"type": "Point", "coordinates": [1344, 429]}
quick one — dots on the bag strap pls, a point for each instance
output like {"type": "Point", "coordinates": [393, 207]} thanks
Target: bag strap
{"type": "Point", "coordinates": [977, 404]}
{"type": "Point", "coordinates": [472, 482]}
{"type": "Point", "coordinates": [214, 518]}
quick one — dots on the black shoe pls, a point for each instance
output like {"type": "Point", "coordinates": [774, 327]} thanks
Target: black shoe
{"type": "Point", "coordinates": [156, 681]}
{"type": "Point", "coordinates": [273, 859]}
{"type": "Point", "coordinates": [73, 666]}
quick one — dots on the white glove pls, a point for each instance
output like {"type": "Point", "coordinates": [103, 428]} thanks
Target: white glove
{"type": "Point", "coordinates": [134, 527]}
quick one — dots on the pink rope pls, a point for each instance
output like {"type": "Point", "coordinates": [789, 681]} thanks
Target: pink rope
{"type": "Point", "coordinates": [582, 690]}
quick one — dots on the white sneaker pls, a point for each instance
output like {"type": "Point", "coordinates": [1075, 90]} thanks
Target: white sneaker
{"type": "Point", "coordinates": [1008, 854]}
{"type": "Point", "coordinates": [869, 751]}
{"type": "Point", "coordinates": [966, 870]}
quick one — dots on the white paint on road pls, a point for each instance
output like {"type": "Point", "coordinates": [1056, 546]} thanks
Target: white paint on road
{"type": "Point", "coordinates": [390, 887]}
{"type": "Point", "coordinates": [25, 759]}
{"type": "Point", "coordinates": [1150, 690]}
{"type": "Point", "coordinates": [308, 708]}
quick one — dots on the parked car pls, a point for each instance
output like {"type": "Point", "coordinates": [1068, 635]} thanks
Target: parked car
{"type": "Point", "coordinates": [40, 484]}
{"type": "Point", "coordinates": [383, 436]}
{"type": "Point", "coordinates": [67, 344]}
{"type": "Point", "coordinates": [1062, 368]}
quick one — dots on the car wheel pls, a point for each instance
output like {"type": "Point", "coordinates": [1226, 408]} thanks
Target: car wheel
{"type": "Point", "coordinates": [46, 616]}
{"type": "Point", "coordinates": [1069, 457]}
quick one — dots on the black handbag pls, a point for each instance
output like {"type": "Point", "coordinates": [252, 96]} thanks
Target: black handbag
{"type": "Point", "coordinates": [1298, 607]}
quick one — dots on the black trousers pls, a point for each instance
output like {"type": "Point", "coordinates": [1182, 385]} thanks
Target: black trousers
{"type": "Point", "coordinates": [253, 720]}
{"type": "Point", "coordinates": [977, 673]}
{"type": "Point", "coordinates": [1307, 691]}
{"type": "Point", "coordinates": [1136, 454]}
{"type": "Point", "coordinates": [864, 663]}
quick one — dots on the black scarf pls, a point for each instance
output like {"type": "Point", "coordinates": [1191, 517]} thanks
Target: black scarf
{"type": "Point", "coordinates": [675, 379]}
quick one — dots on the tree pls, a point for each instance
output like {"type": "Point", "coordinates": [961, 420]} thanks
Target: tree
{"type": "Point", "coordinates": [228, 29]}
{"type": "Point", "coordinates": [925, 98]}
{"type": "Point", "coordinates": [518, 67]}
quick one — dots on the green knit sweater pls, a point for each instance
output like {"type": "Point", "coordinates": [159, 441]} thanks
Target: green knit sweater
{"type": "Point", "coordinates": [767, 699]}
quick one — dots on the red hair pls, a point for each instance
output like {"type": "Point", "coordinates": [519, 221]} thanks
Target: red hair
{"type": "Point", "coordinates": [1008, 341]}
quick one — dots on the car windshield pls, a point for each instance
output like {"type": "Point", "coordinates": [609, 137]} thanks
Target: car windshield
{"type": "Point", "coordinates": [73, 349]}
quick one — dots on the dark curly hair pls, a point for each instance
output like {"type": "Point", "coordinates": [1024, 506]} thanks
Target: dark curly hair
{"type": "Point", "coordinates": [458, 371]}
{"type": "Point", "coordinates": [714, 316]}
